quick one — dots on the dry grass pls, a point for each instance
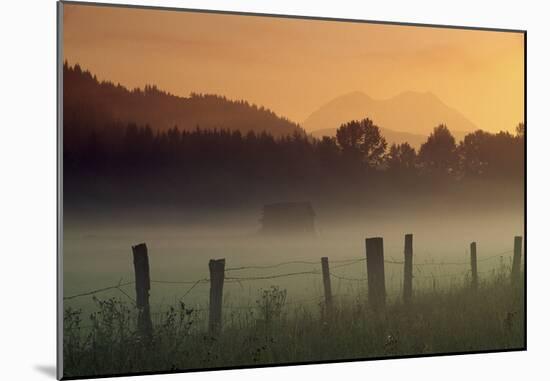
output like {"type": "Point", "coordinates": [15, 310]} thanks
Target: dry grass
{"type": "Point", "coordinates": [271, 331]}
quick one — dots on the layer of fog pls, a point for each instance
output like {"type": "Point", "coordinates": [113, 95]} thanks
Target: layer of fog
{"type": "Point", "coordinates": [97, 253]}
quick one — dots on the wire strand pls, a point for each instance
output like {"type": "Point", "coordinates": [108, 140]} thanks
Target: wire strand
{"type": "Point", "coordinates": [271, 276]}
{"type": "Point", "coordinates": [97, 291]}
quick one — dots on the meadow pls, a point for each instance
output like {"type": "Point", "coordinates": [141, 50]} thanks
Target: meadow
{"type": "Point", "coordinates": [274, 310]}
{"type": "Point", "coordinates": [274, 331]}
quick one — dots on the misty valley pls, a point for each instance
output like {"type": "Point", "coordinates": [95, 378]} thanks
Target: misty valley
{"type": "Point", "coordinates": [206, 178]}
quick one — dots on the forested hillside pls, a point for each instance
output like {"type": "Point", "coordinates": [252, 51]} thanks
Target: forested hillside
{"type": "Point", "coordinates": [89, 103]}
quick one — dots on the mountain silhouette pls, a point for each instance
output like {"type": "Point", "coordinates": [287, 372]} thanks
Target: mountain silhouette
{"type": "Point", "coordinates": [406, 117]}
{"type": "Point", "coordinates": [89, 103]}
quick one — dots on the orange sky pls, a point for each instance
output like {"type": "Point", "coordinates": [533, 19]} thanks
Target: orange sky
{"type": "Point", "coordinates": [294, 66]}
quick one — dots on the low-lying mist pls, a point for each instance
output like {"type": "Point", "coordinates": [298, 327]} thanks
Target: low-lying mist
{"type": "Point", "coordinates": [181, 241]}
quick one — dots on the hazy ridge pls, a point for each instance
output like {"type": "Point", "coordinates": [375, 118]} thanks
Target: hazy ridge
{"type": "Point", "coordinates": [409, 116]}
{"type": "Point", "coordinates": [100, 103]}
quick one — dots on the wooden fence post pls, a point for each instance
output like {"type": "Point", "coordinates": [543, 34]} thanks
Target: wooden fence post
{"type": "Point", "coordinates": [143, 285]}
{"type": "Point", "coordinates": [217, 276]}
{"type": "Point", "coordinates": [375, 273]}
{"type": "Point", "coordinates": [517, 260]}
{"type": "Point", "coordinates": [408, 270]}
{"type": "Point", "coordinates": [326, 283]}
{"type": "Point", "coordinates": [473, 264]}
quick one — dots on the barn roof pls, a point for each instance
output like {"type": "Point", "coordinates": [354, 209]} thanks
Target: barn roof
{"type": "Point", "coordinates": [286, 207]}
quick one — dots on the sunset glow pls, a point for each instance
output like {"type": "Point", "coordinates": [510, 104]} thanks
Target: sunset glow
{"type": "Point", "coordinates": [294, 66]}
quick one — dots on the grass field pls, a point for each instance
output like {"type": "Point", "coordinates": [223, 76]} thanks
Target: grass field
{"type": "Point", "coordinates": [274, 331]}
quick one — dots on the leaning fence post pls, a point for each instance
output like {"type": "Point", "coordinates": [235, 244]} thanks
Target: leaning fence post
{"type": "Point", "coordinates": [326, 283]}
{"type": "Point", "coordinates": [143, 285]}
{"type": "Point", "coordinates": [517, 260]}
{"type": "Point", "coordinates": [473, 264]}
{"type": "Point", "coordinates": [217, 276]}
{"type": "Point", "coordinates": [408, 270]}
{"type": "Point", "coordinates": [375, 272]}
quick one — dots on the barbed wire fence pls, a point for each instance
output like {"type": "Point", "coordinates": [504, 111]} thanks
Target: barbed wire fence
{"type": "Point", "coordinates": [420, 272]}
{"type": "Point", "coordinates": [345, 263]}
{"type": "Point", "coordinates": [373, 281]}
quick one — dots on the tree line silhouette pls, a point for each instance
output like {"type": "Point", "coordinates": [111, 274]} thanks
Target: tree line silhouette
{"type": "Point", "coordinates": [89, 103]}
{"type": "Point", "coordinates": [206, 148]}
{"type": "Point", "coordinates": [176, 163]}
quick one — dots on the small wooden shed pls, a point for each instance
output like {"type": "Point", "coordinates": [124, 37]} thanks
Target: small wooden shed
{"type": "Point", "coordinates": [288, 218]}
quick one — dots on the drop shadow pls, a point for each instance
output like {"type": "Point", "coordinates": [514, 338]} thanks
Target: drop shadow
{"type": "Point", "coordinates": [48, 370]}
